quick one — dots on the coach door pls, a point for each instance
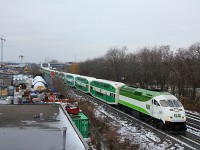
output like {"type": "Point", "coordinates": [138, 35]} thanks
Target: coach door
{"type": "Point", "coordinates": [156, 109]}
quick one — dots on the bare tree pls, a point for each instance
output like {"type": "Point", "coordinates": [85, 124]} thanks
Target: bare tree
{"type": "Point", "coordinates": [54, 61]}
{"type": "Point", "coordinates": [193, 65]}
{"type": "Point", "coordinates": [150, 67]}
{"type": "Point", "coordinates": [131, 75]}
{"type": "Point", "coordinates": [115, 60]}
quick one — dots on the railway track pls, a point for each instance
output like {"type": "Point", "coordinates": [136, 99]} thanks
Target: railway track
{"type": "Point", "coordinates": [193, 120]}
{"type": "Point", "coordinates": [193, 128]}
{"type": "Point", "coordinates": [189, 141]}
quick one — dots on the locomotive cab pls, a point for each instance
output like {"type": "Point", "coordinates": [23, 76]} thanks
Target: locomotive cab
{"type": "Point", "coordinates": [170, 111]}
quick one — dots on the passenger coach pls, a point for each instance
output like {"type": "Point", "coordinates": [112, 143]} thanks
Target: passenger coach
{"type": "Point", "coordinates": [70, 79]}
{"type": "Point", "coordinates": [83, 83]}
{"type": "Point", "coordinates": [107, 91]}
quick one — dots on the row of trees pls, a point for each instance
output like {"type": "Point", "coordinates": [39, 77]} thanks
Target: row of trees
{"type": "Point", "coordinates": [150, 67]}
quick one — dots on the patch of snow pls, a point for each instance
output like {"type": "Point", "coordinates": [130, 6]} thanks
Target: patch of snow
{"type": "Point", "coordinates": [192, 112]}
{"type": "Point", "coordinates": [29, 122]}
{"type": "Point", "coordinates": [179, 147]}
{"type": "Point", "coordinates": [190, 129]}
{"type": "Point", "coordinates": [98, 114]}
{"type": "Point", "coordinates": [151, 136]}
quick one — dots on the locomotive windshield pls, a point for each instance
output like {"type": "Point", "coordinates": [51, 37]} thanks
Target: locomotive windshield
{"type": "Point", "coordinates": [170, 103]}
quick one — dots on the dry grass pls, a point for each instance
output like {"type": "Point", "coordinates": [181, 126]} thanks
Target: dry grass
{"type": "Point", "coordinates": [190, 104]}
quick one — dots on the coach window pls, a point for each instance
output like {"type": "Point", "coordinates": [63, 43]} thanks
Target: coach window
{"type": "Point", "coordinates": [163, 103]}
{"type": "Point", "coordinates": [156, 103]}
{"type": "Point", "coordinates": [112, 95]}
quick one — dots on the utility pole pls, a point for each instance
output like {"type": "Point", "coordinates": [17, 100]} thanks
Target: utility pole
{"type": "Point", "coordinates": [2, 40]}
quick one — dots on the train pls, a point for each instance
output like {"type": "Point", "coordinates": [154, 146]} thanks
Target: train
{"type": "Point", "coordinates": [160, 109]}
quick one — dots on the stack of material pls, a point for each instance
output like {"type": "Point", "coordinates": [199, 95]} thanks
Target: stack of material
{"type": "Point", "coordinates": [39, 84]}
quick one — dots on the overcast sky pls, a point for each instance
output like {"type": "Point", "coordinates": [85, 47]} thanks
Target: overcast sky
{"type": "Point", "coordinates": [80, 29]}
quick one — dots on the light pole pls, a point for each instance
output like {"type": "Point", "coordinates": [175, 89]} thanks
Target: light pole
{"type": "Point", "coordinates": [2, 40]}
{"type": "Point", "coordinates": [21, 56]}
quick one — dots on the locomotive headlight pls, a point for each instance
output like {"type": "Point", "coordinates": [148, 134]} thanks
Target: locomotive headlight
{"type": "Point", "coordinates": [168, 118]}
{"type": "Point", "coordinates": [184, 118]}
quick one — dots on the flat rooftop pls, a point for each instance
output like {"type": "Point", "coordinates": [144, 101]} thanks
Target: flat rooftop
{"type": "Point", "coordinates": [37, 127]}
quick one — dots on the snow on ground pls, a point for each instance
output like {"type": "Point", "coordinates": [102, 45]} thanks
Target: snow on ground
{"type": "Point", "coordinates": [193, 131]}
{"type": "Point", "coordinates": [193, 112]}
{"type": "Point", "coordinates": [137, 134]}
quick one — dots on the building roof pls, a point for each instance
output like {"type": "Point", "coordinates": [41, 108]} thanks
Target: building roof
{"type": "Point", "coordinates": [36, 127]}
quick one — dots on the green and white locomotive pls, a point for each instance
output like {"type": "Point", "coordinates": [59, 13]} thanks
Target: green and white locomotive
{"type": "Point", "coordinates": [160, 108]}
